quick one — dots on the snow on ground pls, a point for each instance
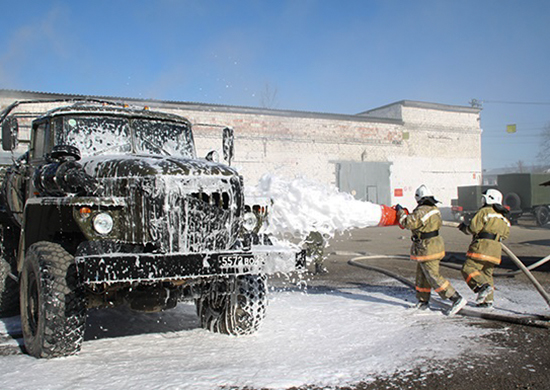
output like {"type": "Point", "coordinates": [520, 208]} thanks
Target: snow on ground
{"type": "Point", "coordinates": [317, 337]}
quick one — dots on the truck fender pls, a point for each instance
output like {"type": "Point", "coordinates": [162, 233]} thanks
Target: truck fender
{"type": "Point", "coordinates": [43, 221]}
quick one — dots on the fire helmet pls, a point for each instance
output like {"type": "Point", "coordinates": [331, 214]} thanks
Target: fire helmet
{"type": "Point", "coordinates": [422, 192]}
{"type": "Point", "coordinates": [491, 196]}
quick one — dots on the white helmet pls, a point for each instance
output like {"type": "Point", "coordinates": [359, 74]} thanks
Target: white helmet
{"type": "Point", "coordinates": [422, 192]}
{"type": "Point", "coordinates": [491, 196]}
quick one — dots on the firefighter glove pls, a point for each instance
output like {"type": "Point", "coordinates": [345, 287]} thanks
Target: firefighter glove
{"type": "Point", "coordinates": [463, 228]}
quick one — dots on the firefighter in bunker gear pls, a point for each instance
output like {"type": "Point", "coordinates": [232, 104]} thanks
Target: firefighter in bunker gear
{"type": "Point", "coordinates": [315, 247]}
{"type": "Point", "coordinates": [489, 226]}
{"type": "Point", "coordinates": [428, 249]}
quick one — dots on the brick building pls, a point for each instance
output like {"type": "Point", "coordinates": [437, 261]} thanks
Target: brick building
{"type": "Point", "coordinates": [381, 155]}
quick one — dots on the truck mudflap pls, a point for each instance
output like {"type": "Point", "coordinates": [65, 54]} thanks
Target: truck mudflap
{"type": "Point", "coordinates": [128, 266]}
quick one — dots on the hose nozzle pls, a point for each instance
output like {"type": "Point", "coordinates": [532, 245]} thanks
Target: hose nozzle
{"type": "Point", "coordinates": [389, 216]}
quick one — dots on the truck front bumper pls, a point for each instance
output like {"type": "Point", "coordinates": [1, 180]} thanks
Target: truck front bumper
{"type": "Point", "coordinates": [151, 267]}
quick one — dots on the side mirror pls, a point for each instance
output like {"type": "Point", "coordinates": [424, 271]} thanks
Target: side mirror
{"type": "Point", "coordinates": [10, 133]}
{"type": "Point", "coordinates": [228, 144]}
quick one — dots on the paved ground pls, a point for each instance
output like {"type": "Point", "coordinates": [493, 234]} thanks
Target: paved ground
{"type": "Point", "coordinates": [524, 352]}
{"type": "Point", "coordinates": [523, 360]}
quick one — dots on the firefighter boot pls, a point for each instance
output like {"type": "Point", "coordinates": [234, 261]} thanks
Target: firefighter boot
{"type": "Point", "coordinates": [320, 269]}
{"type": "Point", "coordinates": [458, 303]}
{"type": "Point", "coordinates": [485, 305]}
{"type": "Point", "coordinates": [483, 292]}
{"type": "Point", "coordinates": [422, 305]}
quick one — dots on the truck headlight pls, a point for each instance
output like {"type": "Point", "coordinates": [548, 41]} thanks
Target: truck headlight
{"type": "Point", "coordinates": [103, 223]}
{"type": "Point", "coordinates": [250, 221]}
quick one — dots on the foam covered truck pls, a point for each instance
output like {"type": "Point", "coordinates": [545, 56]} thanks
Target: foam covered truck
{"type": "Point", "coordinates": [110, 205]}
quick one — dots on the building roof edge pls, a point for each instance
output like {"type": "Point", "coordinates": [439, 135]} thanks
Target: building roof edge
{"type": "Point", "coordinates": [428, 106]}
{"type": "Point", "coordinates": [154, 103]}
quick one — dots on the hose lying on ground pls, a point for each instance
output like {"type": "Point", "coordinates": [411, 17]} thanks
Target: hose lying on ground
{"type": "Point", "coordinates": [520, 265]}
{"type": "Point", "coordinates": [536, 321]}
{"type": "Point", "coordinates": [527, 273]}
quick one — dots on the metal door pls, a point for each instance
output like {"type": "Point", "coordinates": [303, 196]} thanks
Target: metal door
{"type": "Point", "coordinates": [368, 181]}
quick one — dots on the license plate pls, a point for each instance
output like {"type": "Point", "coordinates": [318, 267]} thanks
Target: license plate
{"type": "Point", "coordinates": [232, 261]}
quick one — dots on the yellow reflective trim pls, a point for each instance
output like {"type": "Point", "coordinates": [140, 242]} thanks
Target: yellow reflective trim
{"type": "Point", "coordinates": [479, 256]}
{"type": "Point", "coordinates": [429, 214]}
{"type": "Point", "coordinates": [423, 289]}
{"type": "Point", "coordinates": [473, 274]}
{"type": "Point", "coordinates": [498, 216]}
{"type": "Point", "coordinates": [443, 287]}
{"type": "Point", "coordinates": [436, 256]}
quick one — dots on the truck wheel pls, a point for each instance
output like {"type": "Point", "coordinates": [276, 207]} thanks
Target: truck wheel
{"type": "Point", "coordinates": [9, 290]}
{"type": "Point", "coordinates": [237, 308]}
{"type": "Point", "coordinates": [53, 309]}
{"type": "Point", "coordinates": [542, 215]}
{"type": "Point", "coordinates": [512, 200]}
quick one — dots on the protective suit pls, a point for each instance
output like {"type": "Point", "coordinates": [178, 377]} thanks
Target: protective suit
{"type": "Point", "coordinates": [428, 249]}
{"type": "Point", "coordinates": [489, 226]}
{"type": "Point", "coordinates": [315, 247]}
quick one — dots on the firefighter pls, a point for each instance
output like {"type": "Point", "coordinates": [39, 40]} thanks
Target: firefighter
{"type": "Point", "coordinates": [315, 248]}
{"type": "Point", "coordinates": [489, 226]}
{"type": "Point", "coordinates": [428, 249]}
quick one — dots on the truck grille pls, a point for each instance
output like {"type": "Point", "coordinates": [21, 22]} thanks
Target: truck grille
{"type": "Point", "coordinates": [185, 215]}
{"type": "Point", "coordinates": [180, 214]}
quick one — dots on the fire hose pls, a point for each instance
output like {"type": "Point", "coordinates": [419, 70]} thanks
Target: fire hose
{"type": "Point", "coordinates": [389, 217]}
{"type": "Point", "coordinates": [521, 266]}
{"type": "Point", "coordinates": [533, 320]}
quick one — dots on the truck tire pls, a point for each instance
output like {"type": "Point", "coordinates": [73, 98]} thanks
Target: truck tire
{"type": "Point", "coordinates": [542, 214]}
{"type": "Point", "coordinates": [9, 290]}
{"type": "Point", "coordinates": [53, 306]}
{"type": "Point", "coordinates": [512, 200]}
{"type": "Point", "coordinates": [237, 307]}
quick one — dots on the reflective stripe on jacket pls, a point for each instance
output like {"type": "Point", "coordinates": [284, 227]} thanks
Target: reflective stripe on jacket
{"type": "Point", "coordinates": [487, 220]}
{"type": "Point", "coordinates": [424, 219]}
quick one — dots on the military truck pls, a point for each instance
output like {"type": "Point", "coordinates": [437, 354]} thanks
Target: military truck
{"type": "Point", "coordinates": [109, 205]}
{"type": "Point", "coordinates": [469, 202]}
{"type": "Point", "coordinates": [525, 193]}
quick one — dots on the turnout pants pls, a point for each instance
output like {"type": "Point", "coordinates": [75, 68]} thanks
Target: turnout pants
{"type": "Point", "coordinates": [476, 273]}
{"type": "Point", "coordinates": [428, 278]}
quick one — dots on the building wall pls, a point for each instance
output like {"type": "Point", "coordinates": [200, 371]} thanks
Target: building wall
{"type": "Point", "coordinates": [425, 143]}
{"type": "Point", "coordinates": [442, 149]}
{"type": "Point", "coordinates": [290, 146]}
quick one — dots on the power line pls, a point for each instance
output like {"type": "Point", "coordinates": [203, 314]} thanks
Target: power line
{"type": "Point", "coordinates": [504, 142]}
{"type": "Point", "coordinates": [519, 131]}
{"type": "Point", "coordinates": [513, 102]}
{"type": "Point", "coordinates": [511, 136]}
{"type": "Point", "coordinates": [510, 102]}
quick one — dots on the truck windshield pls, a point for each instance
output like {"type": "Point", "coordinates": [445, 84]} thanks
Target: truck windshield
{"type": "Point", "coordinates": [95, 135]}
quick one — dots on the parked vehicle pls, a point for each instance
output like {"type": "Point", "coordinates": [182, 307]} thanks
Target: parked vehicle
{"type": "Point", "coordinates": [110, 205]}
{"type": "Point", "coordinates": [522, 193]}
{"type": "Point", "coordinates": [469, 202]}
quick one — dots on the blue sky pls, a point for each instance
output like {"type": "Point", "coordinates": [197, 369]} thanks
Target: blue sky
{"type": "Point", "coordinates": [339, 56]}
